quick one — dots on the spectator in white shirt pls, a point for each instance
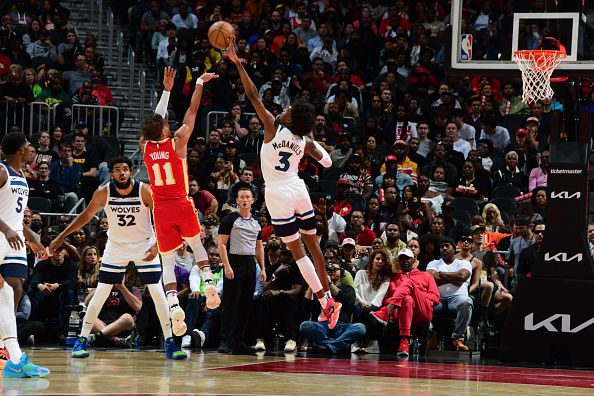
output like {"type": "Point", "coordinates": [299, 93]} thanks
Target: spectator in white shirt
{"type": "Point", "coordinates": [185, 19]}
{"type": "Point", "coordinates": [459, 145]}
{"type": "Point", "coordinates": [326, 52]}
{"type": "Point", "coordinates": [453, 278]}
{"type": "Point", "coordinates": [467, 132]}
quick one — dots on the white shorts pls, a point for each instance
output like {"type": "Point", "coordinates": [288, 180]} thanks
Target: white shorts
{"type": "Point", "coordinates": [116, 257]}
{"type": "Point", "coordinates": [13, 263]}
{"type": "Point", "coordinates": [290, 208]}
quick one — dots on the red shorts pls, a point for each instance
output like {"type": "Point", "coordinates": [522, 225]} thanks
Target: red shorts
{"type": "Point", "coordinates": [175, 220]}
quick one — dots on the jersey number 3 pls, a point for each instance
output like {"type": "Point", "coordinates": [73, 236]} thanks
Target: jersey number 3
{"type": "Point", "coordinates": [169, 180]}
{"type": "Point", "coordinates": [284, 160]}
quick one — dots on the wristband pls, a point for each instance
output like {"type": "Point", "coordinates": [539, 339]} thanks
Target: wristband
{"type": "Point", "coordinates": [199, 81]}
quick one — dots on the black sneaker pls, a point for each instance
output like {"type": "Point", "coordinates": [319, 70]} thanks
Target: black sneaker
{"type": "Point", "coordinates": [224, 349]}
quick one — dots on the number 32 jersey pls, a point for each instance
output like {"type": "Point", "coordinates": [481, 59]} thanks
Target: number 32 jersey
{"type": "Point", "coordinates": [281, 156]}
{"type": "Point", "coordinates": [128, 217]}
{"type": "Point", "coordinates": [168, 173]}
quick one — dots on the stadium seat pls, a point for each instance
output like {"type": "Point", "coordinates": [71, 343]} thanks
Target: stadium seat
{"type": "Point", "coordinates": [507, 191]}
{"type": "Point", "coordinates": [504, 204]}
{"type": "Point", "coordinates": [463, 217]}
{"type": "Point", "coordinates": [466, 204]}
{"type": "Point", "coordinates": [248, 158]}
{"type": "Point", "coordinates": [39, 205]}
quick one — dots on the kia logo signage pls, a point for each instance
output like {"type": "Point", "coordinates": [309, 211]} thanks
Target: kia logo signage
{"type": "Point", "coordinates": [549, 325]}
{"type": "Point", "coordinates": [563, 257]}
{"type": "Point", "coordinates": [566, 195]}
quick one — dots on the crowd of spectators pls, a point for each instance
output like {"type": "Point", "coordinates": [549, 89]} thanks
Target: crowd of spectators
{"type": "Point", "coordinates": [423, 161]}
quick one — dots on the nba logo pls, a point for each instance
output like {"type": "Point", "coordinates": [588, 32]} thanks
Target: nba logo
{"type": "Point", "coordinates": [465, 47]}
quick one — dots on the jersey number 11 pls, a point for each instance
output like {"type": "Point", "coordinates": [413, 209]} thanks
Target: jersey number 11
{"type": "Point", "coordinates": [169, 180]}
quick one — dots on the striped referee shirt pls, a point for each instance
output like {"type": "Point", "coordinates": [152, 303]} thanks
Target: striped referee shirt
{"type": "Point", "coordinates": [243, 234]}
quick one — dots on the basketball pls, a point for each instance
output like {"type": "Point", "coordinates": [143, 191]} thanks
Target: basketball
{"type": "Point", "coordinates": [219, 34]}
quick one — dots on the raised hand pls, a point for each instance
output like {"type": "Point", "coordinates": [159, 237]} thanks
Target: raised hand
{"type": "Point", "coordinates": [230, 51]}
{"type": "Point", "coordinates": [168, 78]}
{"type": "Point", "coordinates": [206, 77]}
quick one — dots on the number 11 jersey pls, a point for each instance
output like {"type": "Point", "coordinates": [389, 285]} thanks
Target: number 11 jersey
{"type": "Point", "coordinates": [167, 172]}
{"type": "Point", "coordinates": [281, 156]}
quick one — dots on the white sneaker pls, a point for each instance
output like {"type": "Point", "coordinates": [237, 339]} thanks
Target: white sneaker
{"type": "Point", "coordinates": [186, 342]}
{"type": "Point", "coordinates": [372, 348]}
{"type": "Point", "coordinates": [201, 335]}
{"type": "Point", "coordinates": [290, 346]}
{"type": "Point", "coordinates": [177, 315]}
{"type": "Point", "coordinates": [260, 346]}
{"type": "Point", "coordinates": [212, 297]}
{"type": "Point", "coordinates": [355, 348]}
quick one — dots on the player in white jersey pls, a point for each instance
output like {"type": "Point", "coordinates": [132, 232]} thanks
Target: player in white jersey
{"type": "Point", "coordinates": [128, 204]}
{"type": "Point", "coordinates": [14, 193]}
{"type": "Point", "coordinates": [286, 196]}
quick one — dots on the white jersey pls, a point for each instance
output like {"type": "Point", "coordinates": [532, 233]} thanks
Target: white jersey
{"type": "Point", "coordinates": [281, 156]}
{"type": "Point", "coordinates": [128, 218]}
{"type": "Point", "coordinates": [14, 196]}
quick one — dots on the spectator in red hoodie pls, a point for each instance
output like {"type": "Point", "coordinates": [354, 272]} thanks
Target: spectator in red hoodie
{"type": "Point", "coordinates": [410, 299]}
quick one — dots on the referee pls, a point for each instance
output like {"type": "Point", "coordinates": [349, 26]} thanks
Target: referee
{"type": "Point", "coordinates": [240, 241]}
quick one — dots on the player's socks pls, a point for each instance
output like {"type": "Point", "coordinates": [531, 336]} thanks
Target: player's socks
{"type": "Point", "coordinates": [176, 313]}
{"type": "Point", "coordinates": [8, 328]}
{"type": "Point", "coordinates": [308, 271]}
{"type": "Point", "coordinates": [160, 301]}
{"type": "Point", "coordinates": [101, 293]}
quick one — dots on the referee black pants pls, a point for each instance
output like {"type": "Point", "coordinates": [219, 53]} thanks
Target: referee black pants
{"type": "Point", "coordinates": [238, 295]}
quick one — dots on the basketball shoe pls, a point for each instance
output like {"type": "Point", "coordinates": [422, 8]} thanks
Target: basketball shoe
{"type": "Point", "coordinates": [403, 348]}
{"type": "Point", "coordinates": [24, 369]}
{"type": "Point", "coordinates": [178, 325]}
{"type": "Point", "coordinates": [212, 297]}
{"type": "Point", "coordinates": [381, 315]}
{"type": "Point", "coordinates": [173, 351]}
{"type": "Point", "coordinates": [331, 313]}
{"type": "Point", "coordinates": [80, 348]}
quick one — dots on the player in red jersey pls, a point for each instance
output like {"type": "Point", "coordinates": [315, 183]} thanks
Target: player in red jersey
{"type": "Point", "coordinates": [174, 213]}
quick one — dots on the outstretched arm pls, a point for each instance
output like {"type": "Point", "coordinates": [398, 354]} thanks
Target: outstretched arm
{"type": "Point", "coordinates": [97, 202]}
{"type": "Point", "coordinates": [168, 79]}
{"type": "Point", "coordinates": [182, 135]}
{"type": "Point", "coordinates": [317, 152]}
{"type": "Point", "coordinates": [252, 93]}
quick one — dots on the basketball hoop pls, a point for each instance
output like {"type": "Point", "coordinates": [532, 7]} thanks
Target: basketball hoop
{"type": "Point", "coordinates": [536, 67]}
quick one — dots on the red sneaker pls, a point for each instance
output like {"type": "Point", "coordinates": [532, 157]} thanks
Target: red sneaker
{"type": "Point", "coordinates": [331, 313]}
{"type": "Point", "coordinates": [381, 315]}
{"type": "Point", "coordinates": [403, 347]}
{"type": "Point", "coordinates": [4, 354]}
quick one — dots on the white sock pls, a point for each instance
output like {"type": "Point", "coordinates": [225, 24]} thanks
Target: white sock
{"type": "Point", "coordinates": [101, 293]}
{"type": "Point", "coordinates": [308, 271]}
{"type": "Point", "coordinates": [168, 260]}
{"type": "Point", "coordinates": [8, 328]}
{"type": "Point", "coordinates": [171, 298]}
{"type": "Point", "coordinates": [206, 274]}
{"type": "Point", "coordinates": [158, 296]}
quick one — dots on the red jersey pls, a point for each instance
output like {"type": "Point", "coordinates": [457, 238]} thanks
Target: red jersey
{"type": "Point", "coordinates": [167, 172]}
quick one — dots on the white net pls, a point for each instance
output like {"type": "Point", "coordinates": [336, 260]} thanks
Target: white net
{"type": "Point", "coordinates": [537, 67]}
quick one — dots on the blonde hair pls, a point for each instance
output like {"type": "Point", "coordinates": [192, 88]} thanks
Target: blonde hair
{"type": "Point", "coordinates": [486, 209]}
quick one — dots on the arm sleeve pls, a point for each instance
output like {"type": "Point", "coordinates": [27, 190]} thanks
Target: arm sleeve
{"type": "Point", "coordinates": [161, 108]}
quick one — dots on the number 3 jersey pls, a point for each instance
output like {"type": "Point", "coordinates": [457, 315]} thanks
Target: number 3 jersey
{"type": "Point", "coordinates": [280, 157]}
{"type": "Point", "coordinates": [14, 196]}
{"type": "Point", "coordinates": [128, 218]}
{"type": "Point", "coordinates": [167, 172]}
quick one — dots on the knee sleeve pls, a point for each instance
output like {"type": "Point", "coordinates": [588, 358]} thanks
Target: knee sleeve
{"type": "Point", "coordinates": [197, 248]}
{"type": "Point", "coordinates": [7, 317]}
{"type": "Point", "coordinates": [169, 267]}
{"type": "Point", "coordinates": [162, 308]}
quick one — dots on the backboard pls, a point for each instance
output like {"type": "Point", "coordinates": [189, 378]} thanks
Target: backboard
{"type": "Point", "coordinates": [485, 33]}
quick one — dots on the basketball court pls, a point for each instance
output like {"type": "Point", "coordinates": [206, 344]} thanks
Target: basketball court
{"type": "Point", "coordinates": [210, 373]}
